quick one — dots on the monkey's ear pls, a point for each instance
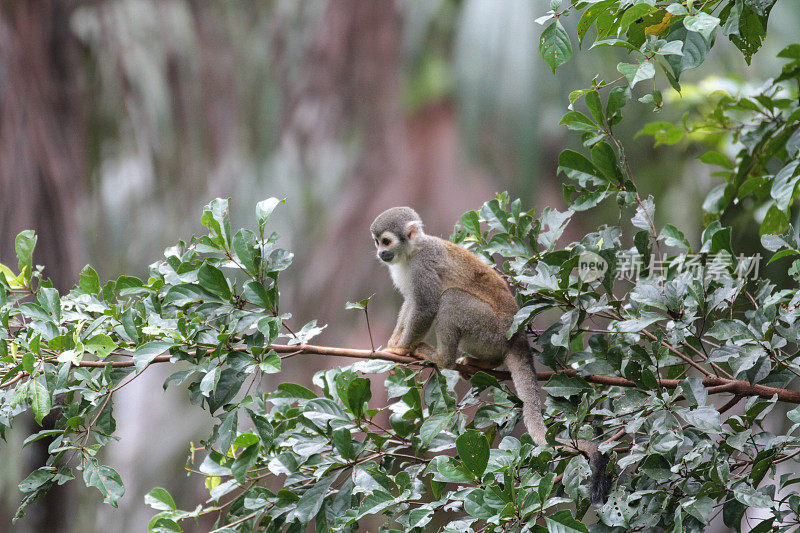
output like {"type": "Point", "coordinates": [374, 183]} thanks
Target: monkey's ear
{"type": "Point", "coordinates": [413, 229]}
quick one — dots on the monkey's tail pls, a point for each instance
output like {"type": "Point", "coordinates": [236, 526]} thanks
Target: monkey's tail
{"type": "Point", "coordinates": [520, 364]}
{"type": "Point", "coordinates": [523, 374]}
{"type": "Point", "coordinates": [600, 483]}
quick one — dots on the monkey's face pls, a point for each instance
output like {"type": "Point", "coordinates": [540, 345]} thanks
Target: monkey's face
{"type": "Point", "coordinates": [389, 246]}
{"type": "Point", "coordinates": [395, 233]}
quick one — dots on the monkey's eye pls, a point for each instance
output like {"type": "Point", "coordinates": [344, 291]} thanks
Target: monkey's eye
{"type": "Point", "coordinates": [386, 242]}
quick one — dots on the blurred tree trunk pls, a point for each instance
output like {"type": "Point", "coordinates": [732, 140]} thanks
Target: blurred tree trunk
{"type": "Point", "coordinates": [41, 165]}
{"type": "Point", "coordinates": [354, 83]}
{"type": "Point", "coordinates": [41, 134]}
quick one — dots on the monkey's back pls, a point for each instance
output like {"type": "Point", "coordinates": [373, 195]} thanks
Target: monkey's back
{"type": "Point", "coordinates": [468, 273]}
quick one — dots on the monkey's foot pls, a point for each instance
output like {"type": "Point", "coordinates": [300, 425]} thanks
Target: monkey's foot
{"type": "Point", "coordinates": [397, 350]}
{"type": "Point", "coordinates": [425, 352]}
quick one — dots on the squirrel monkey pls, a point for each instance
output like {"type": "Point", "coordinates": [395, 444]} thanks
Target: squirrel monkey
{"type": "Point", "coordinates": [471, 309]}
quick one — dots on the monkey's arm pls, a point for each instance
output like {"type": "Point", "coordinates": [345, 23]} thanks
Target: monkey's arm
{"type": "Point", "coordinates": [398, 329]}
{"type": "Point", "coordinates": [418, 312]}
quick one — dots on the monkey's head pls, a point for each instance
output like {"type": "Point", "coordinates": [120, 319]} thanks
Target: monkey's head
{"type": "Point", "coordinates": [394, 232]}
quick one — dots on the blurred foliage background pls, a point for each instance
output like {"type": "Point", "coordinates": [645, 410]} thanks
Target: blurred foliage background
{"type": "Point", "coordinates": [120, 119]}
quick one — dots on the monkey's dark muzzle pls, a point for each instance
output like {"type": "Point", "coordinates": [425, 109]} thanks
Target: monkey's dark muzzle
{"type": "Point", "coordinates": [386, 255]}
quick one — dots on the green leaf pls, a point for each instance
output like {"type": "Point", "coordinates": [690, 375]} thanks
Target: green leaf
{"type": "Point", "coordinates": [265, 208]}
{"type": "Point", "coordinates": [470, 222]}
{"type": "Point", "coordinates": [563, 522]}
{"type": "Point", "coordinates": [672, 236]}
{"type": "Point", "coordinates": [694, 391]}
{"type": "Point", "coordinates": [49, 300]}
{"type": "Point", "coordinates": [257, 294]}
{"type": "Point", "coordinates": [704, 417]}
{"type": "Point", "coordinates": [160, 499]}
{"type": "Point", "coordinates": [89, 280]}
{"type": "Point", "coordinates": [226, 432]}
{"type": "Point", "coordinates": [712, 157]}
{"type": "Point", "coordinates": [148, 351]}
{"type": "Point", "coordinates": [162, 524]}
{"type": "Point", "coordinates": [595, 106]}
{"type": "Point", "coordinates": [663, 132]}
{"type": "Point", "coordinates": [24, 244]}
{"type": "Point", "coordinates": [702, 23]}
{"type": "Point", "coordinates": [105, 420]}
{"type": "Point", "coordinates": [270, 327]}
{"type": "Point", "coordinates": [271, 363]}
{"type": "Point", "coordinates": [39, 399]}
{"type": "Point", "coordinates": [632, 14]}
{"type": "Point", "coordinates": [360, 305]}
{"type": "Point", "coordinates": [358, 393]}
{"type": "Point", "coordinates": [782, 254]}
{"type": "Point", "coordinates": [643, 219]}
{"type": "Point", "coordinates": [107, 481]}
{"type": "Point", "coordinates": [217, 219]}
{"type": "Point", "coordinates": [700, 507]}
{"type": "Point", "coordinates": [473, 449]}
{"type": "Point", "coordinates": [605, 159]}
{"type": "Point", "coordinates": [590, 15]}
{"type": "Point", "coordinates": [637, 72]}
{"type": "Point", "coordinates": [729, 329]}
{"type": "Point", "coordinates": [775, 222]}
{"type": "Point", "coordinates": [100, 345]}
{"type": "Point", "coordinates": [37, 479]}
{"type": "Point", "coordinates": [578, 167]}
{"type": "Point", "coordinates": [575, 120]}
{"type": "Point", "coordinates": [229, 383]}
{"type": "Point", "coordinates": [555, 47]}
{"type": "Point", "coordinates": [374, 503]}
{"type": "Point", "coordinates": [307, 332]}
{"type": "Point", "coordinates": [27, 363]}
{"type": "Point", "coordinates": [420, 517]}
{"type": "Point", "coordinates": [433, 426]}
{"type": "Point", "coordinates": [784, 185]}
{"type": "Point", "coordinates": [732, 513]}
{"type": "Point", "coordinates": [264, 428]}
{"type": "Point", "coordinates": [617, 99]}
{"type": "Point", "coordinates": [293, 390]}
{"type": "Point", "coordinates": [449, 470]}
{"type": "Point", "coordinates": [342, 440]}
{"type": "Point", "coordinates": [311, 501]}
{"type": "Point", "coordinates": [718, 199]}
{"type": "Point", "coordinates": [695, 50]}
{"type": "Point", "coordinates": [244, 462]}
{"type": "Point", "coordinates": [563, 386]}
{"type": "Point", "coordinates": [752, 497]}
{"type": "Point", "coordinates": [213, 280]}
{"type": "Point", "coordinates": [245, 252]}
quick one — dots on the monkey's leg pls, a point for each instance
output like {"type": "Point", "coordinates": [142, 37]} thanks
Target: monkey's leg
{"type": "Point", "coordinates": [446, 353]}
{"type": "Point", "coordinates": [444, 356]}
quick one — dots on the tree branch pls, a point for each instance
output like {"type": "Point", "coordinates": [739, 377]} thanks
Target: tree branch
{"type": "Point", "coordinates": [714, 384]}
